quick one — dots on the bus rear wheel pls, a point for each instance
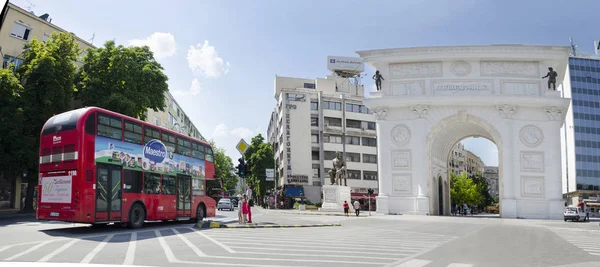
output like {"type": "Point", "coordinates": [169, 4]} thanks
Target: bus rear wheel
{"type": "Point", "coordinates": [200, 213]}
{"type": "Point", "coordinates": [137, 215]}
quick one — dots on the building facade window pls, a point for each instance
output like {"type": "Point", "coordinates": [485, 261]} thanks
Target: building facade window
{"type": "Point", "coordinates": [20, 30]}
{"type": "Point", "coordinates": [353, 174]}
{"type": "Point", "coordinates": [358, 108]}
{"type": "Point", "coordinates": [329, 155]}
{"type": "Point", "coordinates": [337, 122]}
{"type": "Point", "coordinates": [316, 168]}
{"type": "Point", "coordinates": [315, 155]}
{"type": "Point", "coordinates": [368, 141]}
{"type": "Point", "coordinates": [352, 157]}
{"type": "Point", "coordinates": [314, 121]}
{"type": "Point", "coordinates": [8, 59]}
{"type": "Point", "coordinates": [369, 158]}
{"type": "Point", "coordinates": [353, 124]}
{"type": "Point", "coordinates": [314, 105]}
{"type": "Point", "coordinates": [314, 138]}
{"type": "Point", "coordinates": [369, 175]}
{"type": "Point", "coordinates": [310, 85]}
{"type": "Point", "coordinates": [371, 125]}
{"type": "Point", "coordinates": [171, 121]}
{"type": "Point", "coordinates": [353, 140]}
{"type": "Point", "coordinates": [332, 105]}
{"type": "Point", "coordinates": [46, 36]}
{"type": "Point", "coordinates": [335, 139]}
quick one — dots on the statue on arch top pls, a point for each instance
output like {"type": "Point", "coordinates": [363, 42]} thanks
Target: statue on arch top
{"type": "Point", "coordinates": [378, 78]}
{"type": "Point", "coordinates": [551, 78]}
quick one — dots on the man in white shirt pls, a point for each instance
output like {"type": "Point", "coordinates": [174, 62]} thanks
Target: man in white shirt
{"type": "Point", "coordinates": [356, 207]}
{"type": "Point", "coordinates": [249, 196]}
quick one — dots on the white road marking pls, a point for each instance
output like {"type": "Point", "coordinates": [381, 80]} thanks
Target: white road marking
{"type": "Point", "coordinates": [232, 264]}
{"type": "Point", "coordinates": [345, 247]}
{"type": "Point", "coordinates": [414, 263]}
{"type": "Point", "coordinates": [460, 265]}
{"type": "Point", "coordinates": [34, 248]}
{"type": "Point", "coordinates": [7, 247]}
{"type": "Point", "coordinates": [189, 244]}
{"type": "Point", "coordinates": [319, 250]}
{"type": "Point", "coordinates": [165, 247]}
{"type": "Point", "coordinates": [57, 251]}
{"type": "Point", "coordinates": [130, 256]}
{"type": "Point", "coordinates": [90, 256]}
{"type": "Point", "coordinates": [225, 247]}
{"type": "Point", "coordinates": [318, 256]}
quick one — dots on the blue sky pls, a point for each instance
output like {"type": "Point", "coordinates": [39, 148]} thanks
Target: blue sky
{"type": "Point", "coordinates": [222, 56]}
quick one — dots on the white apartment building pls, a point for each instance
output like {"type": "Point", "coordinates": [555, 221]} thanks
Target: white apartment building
{"type": "Point", "coordinates": [173, 118]}
{"type": "Point", "coordinates": [313, 120]}
{"type": "Point", "coordinates": [462, 159]}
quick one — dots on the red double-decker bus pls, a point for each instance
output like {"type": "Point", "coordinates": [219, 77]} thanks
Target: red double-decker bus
{"type": "Point", "coordinates": [100, 167]}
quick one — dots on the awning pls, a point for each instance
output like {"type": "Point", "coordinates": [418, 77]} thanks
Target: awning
{"type": "Point", "coordinates": [294, 191]}
{"type": "Point", "coordinates": [593, 204]}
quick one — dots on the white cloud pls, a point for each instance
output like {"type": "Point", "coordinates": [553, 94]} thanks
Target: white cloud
{"type": "Point", "coordinates": [220, 131]}
{"type": "Point", "coordinates": [162, 44]}
{"type": "Point", "coordinates": [204, 60]}
{"type": "Point", "coordinates": [243, 133]}
{"type": "Point", "coordinates": [195, 89]}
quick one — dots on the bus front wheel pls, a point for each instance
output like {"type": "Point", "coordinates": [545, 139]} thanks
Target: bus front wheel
{"type": "Point", "coordinates": [136, 216]}
{"type": "Point", "coordinates": [200, 213]}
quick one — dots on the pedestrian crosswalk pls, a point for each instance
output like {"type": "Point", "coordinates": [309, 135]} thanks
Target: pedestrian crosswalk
{"type": "Point", "coordinates": [334, 246]}
{"type": "Point", "coordinates": [583, 239]}
{"type": "Point", "coordinates": [425, 263]}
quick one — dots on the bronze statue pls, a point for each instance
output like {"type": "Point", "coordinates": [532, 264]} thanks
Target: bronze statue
{"type": "Point", "coordinates": [378, 78]}
{"type": "Point", "coordinates": [551, 78]}
{"type": "Point", "coordinates": [338, 172]}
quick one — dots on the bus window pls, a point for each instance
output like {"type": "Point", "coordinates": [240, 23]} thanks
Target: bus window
{"type": "Point", "coordinates": [168, 187]}
{"type": "Point", "coordinates": [90, 124]}
{"type": "Point", "coordinates": [132, 181]}
{"type": "Point", "coordinates": [169, 141]}
{"type": "Point", "coordinates": [133, 132]}
{"type": "Point", "coordinates": [183, 146]}
{"type": "Point", "coordinates": [198, 150]}
{"type": "Point", "coordinates": [151, 183]}
{"type": "Point", "coordinates": [109, 126]}
{"type": "Point", "coordinates": [62, 122]}
{"type": "Point", "coordinates": [151, 134]}
{"type": "Point", "coordinates": [209, 154]}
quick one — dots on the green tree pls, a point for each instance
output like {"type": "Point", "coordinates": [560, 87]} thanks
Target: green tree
{"type": "Point", "coordinates": [47, 76]}
{"type": "Point", "coordinates": [12, 147]}
{"type": "Point", "coordinates": [223, 166]}
{"type": "Point", "coordinates": [260, 157]}
{"type": "Point", "coordinates": [127, 80]}
{"type": "Point", "coordinates": [464, 190]}
{"type": "Point", "coordinates": [483, 189]}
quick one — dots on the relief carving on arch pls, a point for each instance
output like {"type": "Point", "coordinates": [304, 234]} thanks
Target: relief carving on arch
{"type": "Point", "coordinates": [401, 160]}
{"type": "Point", "coordinates": [531, 135]}
{"type": "Point", "coordinates": [532, 161]}
{"type": "Point", "coordinates": [506, 111]}
{"type": "Point", "coordinates": [532, 186]}
{"type": "Point", "coordinates": [401, 134]}
{"type": "Point", "coordinates": [553, 113]}
{"type": "Point", "coordinates": [420, 110]}
{"type": "Point", "coordinates": [402, 183]}
{"type": "Point", "coordinates": [380, 112]}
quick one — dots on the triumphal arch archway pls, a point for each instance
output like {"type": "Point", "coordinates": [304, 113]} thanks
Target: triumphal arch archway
{"type": "Point", "coordinates": [433, 97]}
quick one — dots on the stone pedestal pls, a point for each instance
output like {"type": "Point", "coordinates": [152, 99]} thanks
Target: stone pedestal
{"type": "Point", "coordinates": [334, 197]}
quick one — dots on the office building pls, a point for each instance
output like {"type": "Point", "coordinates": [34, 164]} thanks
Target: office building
{"type": "Point", "coordinates": [462, 159]}
{"type": "Point", "coordinates": [491, 176]}
{"type": "Point", "coordinates": [313, 119]}
{"type": "Point", "coordinates": [581, 132]}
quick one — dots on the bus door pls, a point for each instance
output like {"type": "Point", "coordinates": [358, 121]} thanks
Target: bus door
{"type": "Point", "coordinates": [184, 196]}
{"type": "Point", "coordinates": [108, 193]}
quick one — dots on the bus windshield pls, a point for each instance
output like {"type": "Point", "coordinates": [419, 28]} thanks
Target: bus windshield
{"type": "Point", "coordinates": [62, 122]}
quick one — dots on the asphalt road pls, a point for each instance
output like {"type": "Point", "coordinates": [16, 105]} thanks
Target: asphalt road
{"type": "Point", "coordinates": [406, 241]}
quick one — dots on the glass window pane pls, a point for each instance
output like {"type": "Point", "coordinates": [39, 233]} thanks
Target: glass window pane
{"type": "Point", "coordinates": [168, 187]}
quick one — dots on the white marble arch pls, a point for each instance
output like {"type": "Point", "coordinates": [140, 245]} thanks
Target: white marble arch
{"type": "Point", "coordinates": [433, 97]}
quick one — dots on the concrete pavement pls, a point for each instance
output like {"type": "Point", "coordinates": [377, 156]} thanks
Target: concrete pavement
{"type": "Point", "coordinates": [406, 241]}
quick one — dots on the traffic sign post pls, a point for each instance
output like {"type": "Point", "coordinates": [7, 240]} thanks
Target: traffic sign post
{"type": "Point", "coordinates": [270, 175]}
{"type": "Point", "coordinates": [242, 146]}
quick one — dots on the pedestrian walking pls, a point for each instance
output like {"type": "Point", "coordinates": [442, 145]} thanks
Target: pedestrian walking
{"type": "Point", "coordinates": [346, 208]}
{"type": "Point", "coordinates": [245, 209]}
{"type": "Point", "coordinates": [250, 202]}
{"type": "Point", "coordinates": [587, 214]}
{"type": "Point", "coordinates": [356, 207]}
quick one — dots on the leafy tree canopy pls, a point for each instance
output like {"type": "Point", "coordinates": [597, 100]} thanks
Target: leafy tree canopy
{"type": "Point", "coordinates": [260, 157]}
{"type": "Point", "coordinates": [127, 80]}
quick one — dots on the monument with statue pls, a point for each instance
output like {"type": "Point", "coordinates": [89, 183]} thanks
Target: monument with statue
{"type": "Point", "coordinates": [335, 193]}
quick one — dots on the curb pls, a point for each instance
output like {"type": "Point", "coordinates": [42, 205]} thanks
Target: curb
{"type": "Point", "coordinates": [213, 224]}
{"type": "Point", "coordinates": [394, 213]}
{"type": "Point", "coordinates": [323, 214]}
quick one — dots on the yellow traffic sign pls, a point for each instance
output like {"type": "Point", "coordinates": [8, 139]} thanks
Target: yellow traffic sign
{"type": "Point", "coordinates": [242, 146]}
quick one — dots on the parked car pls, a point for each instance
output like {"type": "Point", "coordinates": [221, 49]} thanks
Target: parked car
{"type": "Point", "coordinates": [225, 203]}
{"type": "Point", "coordinates": [574, 214]}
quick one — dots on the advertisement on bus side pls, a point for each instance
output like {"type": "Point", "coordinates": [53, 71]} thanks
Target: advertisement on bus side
{"type": "Point", "coordinates": [153, 157]}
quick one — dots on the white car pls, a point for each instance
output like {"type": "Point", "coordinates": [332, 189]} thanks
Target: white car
{"type": "Point", "coordinates": [225, 204]}
{"type": "Point", "coordinates": [574, 214]}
